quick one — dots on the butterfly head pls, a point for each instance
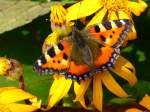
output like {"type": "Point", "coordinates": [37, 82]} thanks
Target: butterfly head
{"type": "Point", "coordinates": [78, 38]}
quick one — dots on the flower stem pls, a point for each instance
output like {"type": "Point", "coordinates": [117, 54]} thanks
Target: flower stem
{"type": "Point", "coordinates": [21, 82]}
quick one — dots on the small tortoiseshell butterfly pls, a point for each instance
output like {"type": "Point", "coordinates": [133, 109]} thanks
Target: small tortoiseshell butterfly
{"type": "Point", "coordinates": [89, 51]}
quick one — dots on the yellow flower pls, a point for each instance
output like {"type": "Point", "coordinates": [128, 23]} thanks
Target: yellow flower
{"type": "Point", "coordinates": [10, 68]}
{"type": "Point", "coordinates": [4, 65]}
{"type": "Point", "coordinates": [112, 9]}
{"type": "Point", "coordinates": [61, 86]}
{"type": "Point", "coordinates": [145, 102]}
{"type": "Point", "coordinates": [107, 10]}
{"type": "Point", "coordinates": [123, 68]}
{"type": "Point", "coordinates": [58, 25]}
{"type": "Point", "coordinates": [10, 96]}
{"type": "Point", "coordinates": [58, 20]}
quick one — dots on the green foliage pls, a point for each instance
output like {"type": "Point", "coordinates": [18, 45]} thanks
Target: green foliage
{"type": "Point", "coordinates": [121, 101]}
{"type": "Point", "coordinates": [139, 90]}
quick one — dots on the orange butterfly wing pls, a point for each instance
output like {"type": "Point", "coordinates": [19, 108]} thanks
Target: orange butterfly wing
{"type": "Point", "coordinates": [104, 60]}
{"type": "Point", "coordinates": [111, 33]}
{"type": "Point", "coordinates": [57, 61]}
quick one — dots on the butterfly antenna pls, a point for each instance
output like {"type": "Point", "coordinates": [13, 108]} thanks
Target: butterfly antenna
{"type": "Point", "coordinates": [74, 30]}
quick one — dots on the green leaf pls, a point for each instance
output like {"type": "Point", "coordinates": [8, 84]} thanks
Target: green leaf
{"type": "Point", "coordinates": [127, 49]}
{"type": "Point", "coordinates": [141, 56]}
{"type": "Point", "coordinates": [139, 90]}
{"type": "Point", "coordinates": [121, 101]}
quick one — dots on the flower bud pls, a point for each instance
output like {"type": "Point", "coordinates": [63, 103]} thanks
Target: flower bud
{"type": "Point", "coordinates": [10, 68]}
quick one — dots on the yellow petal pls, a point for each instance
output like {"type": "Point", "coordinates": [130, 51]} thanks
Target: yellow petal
{"type": "Point", "coordinates": [55, 85]}
{"type": "Point", "coordinates": [123, 15]}
{"type": "Point", "coordinates": [53, 15]}
{"type": "Point", "coordinates": [132, 35]}
{"type": "Point", "coordinates": [60, 92]}
{"type": "Point", "coordinates": [125, 70]}
{"type": "Point", "coordinates": [137, 8]}
{"type": "Point", "coordinates": [3, 109]}
{"type": "Point", "coordinates": [98, 17]}
{"type": "Point", "coordinates": [4, 65]}
{"type": "Point", "coordinates": [145, 102]}
{"type": "Point", "coordinates": [134, 8]}
{"type": "Point", "coordinates": [112, 16]}
{"type": "Point", "coordinates": [97, 91]}
{"type": "Point", "coordinates": [52, 38]}
{"type": "Point", "coordinates": [83, 9]}
{"type": "Point", "coordinates": [14, 107]}
{"type": "Point", "coordinates": [35, 102]}
{"type": "Point", "coordinates": [58, 14]}
{"type": "Point", "coordinates": [80, 90]}
{"type": "Point", "coordinates": [143, 5]}
{"type": "Point", "coordinates": [112, 85]}
{"type": "Point", "coordinates": [133, 110]}
{"type": "Point", "coordinates": [6, 88]}
{"type": "Point", "coordinates": [13, 95]}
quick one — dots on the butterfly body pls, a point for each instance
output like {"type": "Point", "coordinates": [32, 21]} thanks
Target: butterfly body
{"type": "Point", "coordinates": [84, 53]}
{"type": "Point", "coordinates": [84, 49]}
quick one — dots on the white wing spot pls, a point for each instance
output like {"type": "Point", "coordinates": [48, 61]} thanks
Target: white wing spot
{"type": "Point", "coordinates": [102, 27]}
{"type": "Point", "coordinates": [113, 25]}
{"type": "Point", "coordinates": [57, 51]}
{"type": "Point", "coordinates": [39, 62]}
{"type": "Point", "coordinates": [123, 22]}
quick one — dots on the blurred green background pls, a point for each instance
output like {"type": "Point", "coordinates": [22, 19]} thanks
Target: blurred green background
{"type": "Point", "coordinates": [24, 44]}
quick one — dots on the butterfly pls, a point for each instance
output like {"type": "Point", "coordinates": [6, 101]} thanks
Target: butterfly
{"type": "Point", "coordinates": [92, 50]}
